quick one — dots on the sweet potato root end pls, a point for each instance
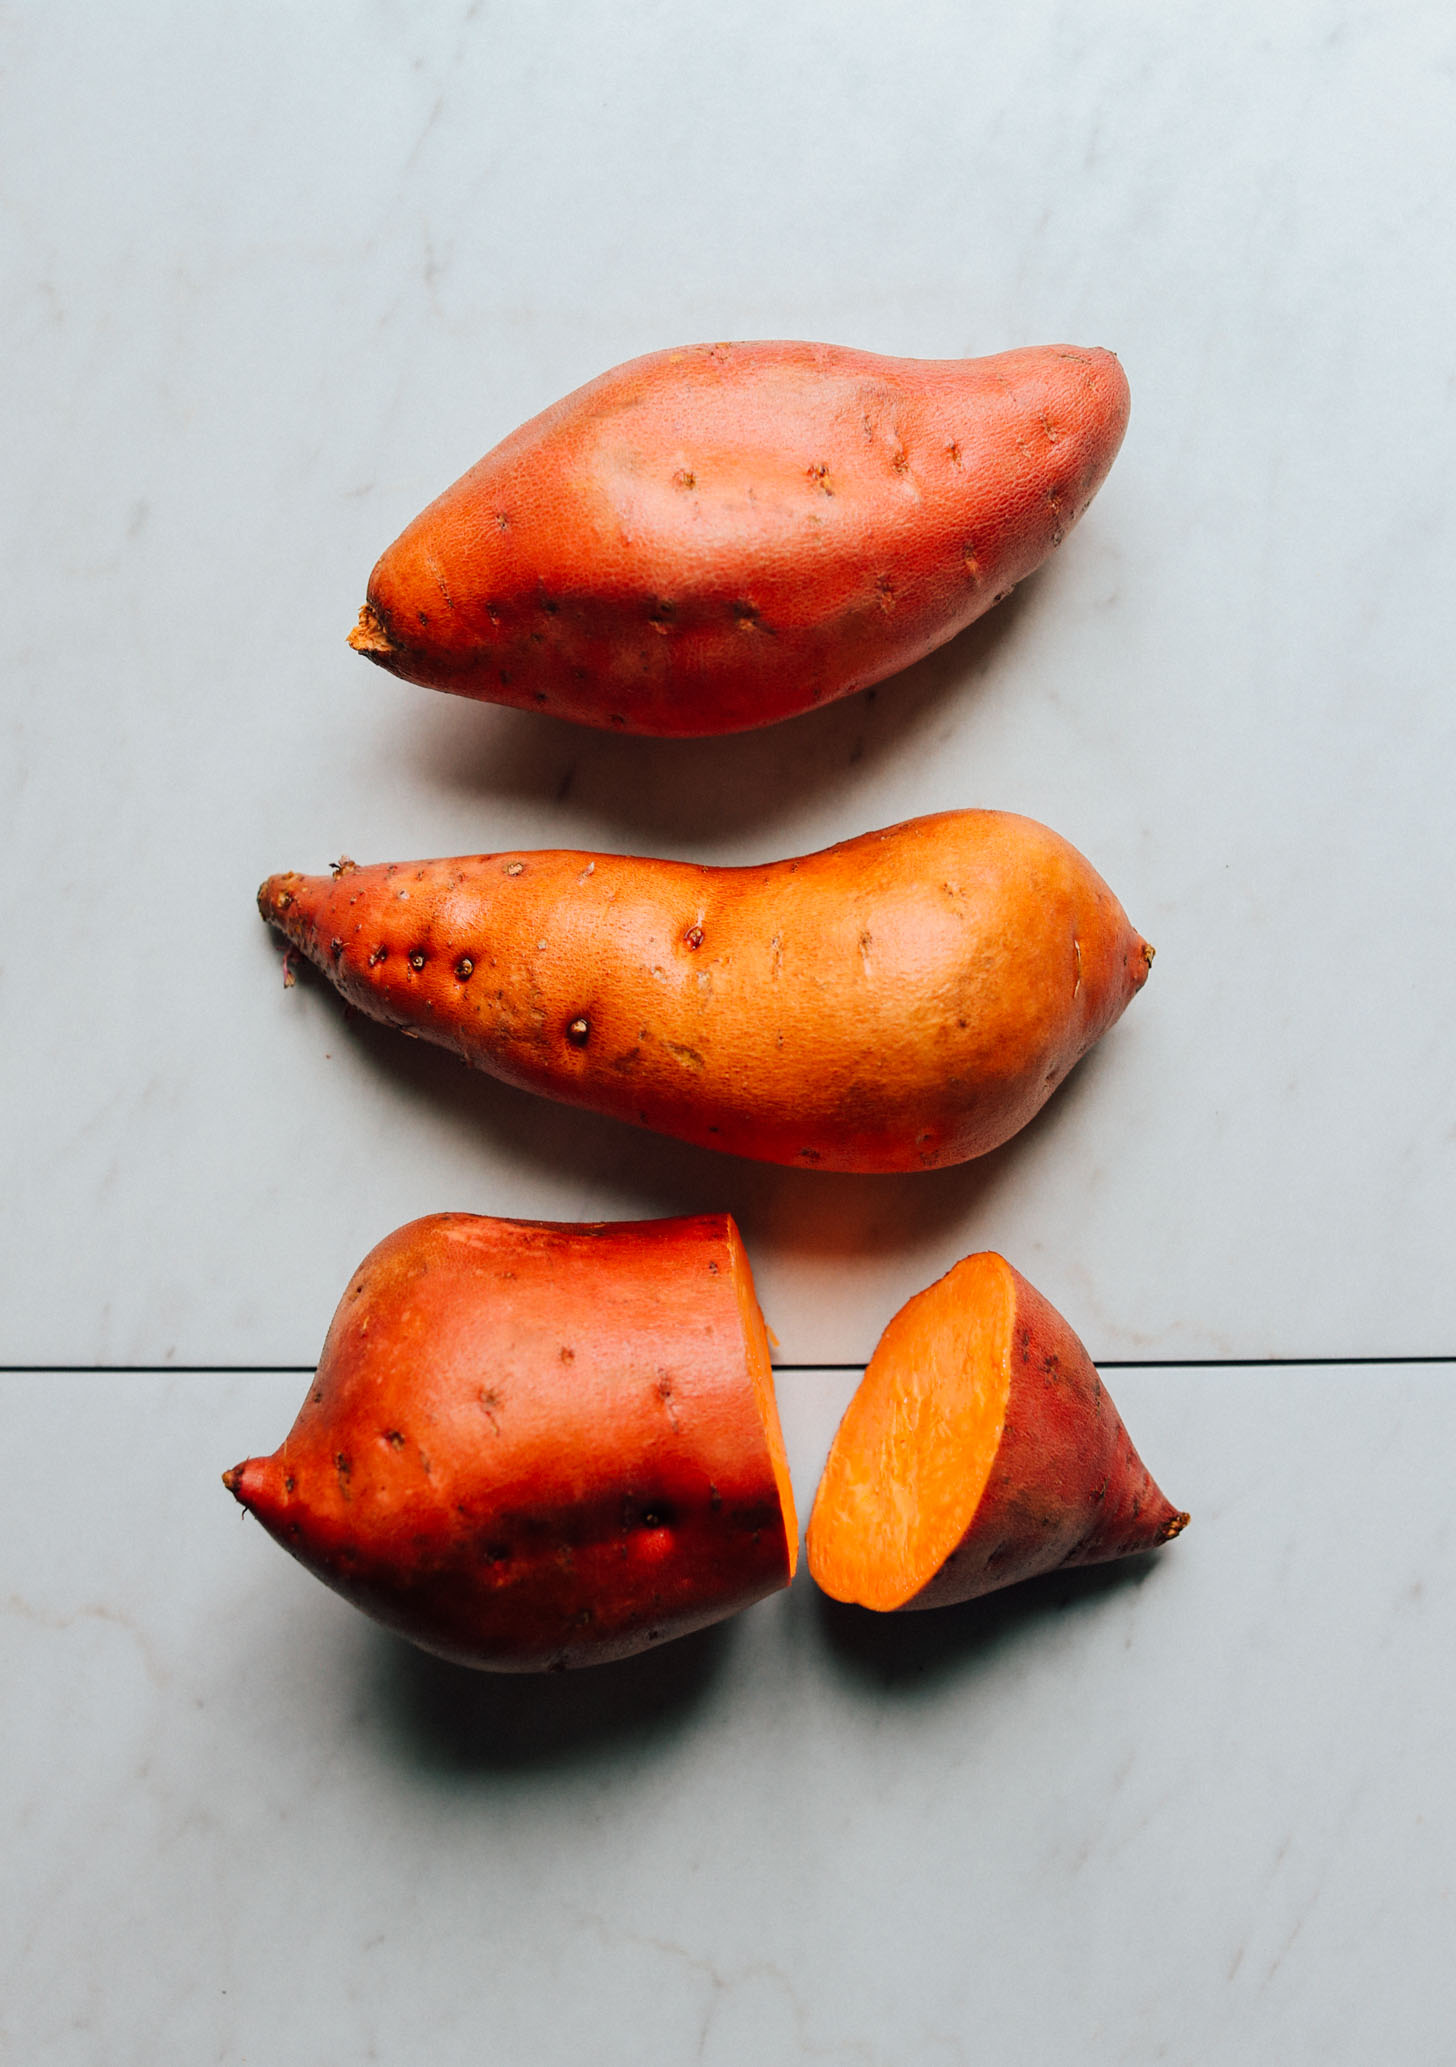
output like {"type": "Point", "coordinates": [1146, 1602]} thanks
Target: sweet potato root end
{"type": "Point", "coordinates": [370, 638]}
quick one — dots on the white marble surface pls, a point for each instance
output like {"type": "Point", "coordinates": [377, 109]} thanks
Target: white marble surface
{"type": "Point", "coordinates": [1199, 1810]}
{"type": "Point", "coordinates": [275, 274]}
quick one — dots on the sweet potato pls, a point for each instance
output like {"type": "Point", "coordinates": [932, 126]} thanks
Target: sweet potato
{"type": "Point", "coordinates": [900, 1001]}
{"type": "Point", "coordinates": [532, 1446]}
{"type": "Point", "coordinates": [980, 1449]}
{"type": "Point", "coordinates": [710, 539]}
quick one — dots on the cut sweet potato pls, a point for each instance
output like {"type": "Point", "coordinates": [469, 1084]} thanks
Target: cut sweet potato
{"type": "Point", "coordinates": [530, 1446]}
{"type": "Point", "coordinates": [981, 1448]}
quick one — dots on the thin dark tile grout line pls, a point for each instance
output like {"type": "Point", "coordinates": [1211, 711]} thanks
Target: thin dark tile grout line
{"type": "Point", "coordinates": [1172, 1363]}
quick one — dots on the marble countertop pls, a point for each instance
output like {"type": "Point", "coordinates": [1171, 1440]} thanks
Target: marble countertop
{"type": "Point", "coordinates": [276, 276]}
{"type": "Point", "coordinates": [1199, 1807]}
{"type": "Point", "coordinates": [277, 280]}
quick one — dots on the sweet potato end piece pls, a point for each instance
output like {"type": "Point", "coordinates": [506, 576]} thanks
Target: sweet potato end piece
{"type": "Point", "coordinates": [980, 1450]}
{"type": "Point", "coordinates": [914, 1452]}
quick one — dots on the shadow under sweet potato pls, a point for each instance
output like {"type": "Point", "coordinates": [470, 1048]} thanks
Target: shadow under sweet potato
{"type": "Point", "coordinates": [684, 793]}
{"type": "Point", "coordinates": [448, 1719]}
{"type": "Point", "coordinates": [798, 1212]}
{"type": "Point", "coordinates": [910, 1653]}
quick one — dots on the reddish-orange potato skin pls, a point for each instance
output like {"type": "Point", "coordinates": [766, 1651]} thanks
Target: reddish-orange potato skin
{"type": "Point", "coordinates": [532, 1446]}
{"type": "Point", "coordinates": [900, 1001]}
{"type": "Point", "coordinates": [1066, 1487]}
{"type": "Point", "coordinates": [713, 538]}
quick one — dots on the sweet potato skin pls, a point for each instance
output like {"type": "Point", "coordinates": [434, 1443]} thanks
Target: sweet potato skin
{"type": "Point", "coordinates": [1066, 1485]}
{"type": "Point", "coordinates": [900, 1001]}
{"type": "Point", "coordinates": [531, 1446]}
{"type": "Point", "coordinates": [717, 537]}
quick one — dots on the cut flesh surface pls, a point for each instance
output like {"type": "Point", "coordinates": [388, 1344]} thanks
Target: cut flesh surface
{"type": "Point", "coordinates": [760, 1373]}
{"type": "Point", "coordinates": [915, 1449]}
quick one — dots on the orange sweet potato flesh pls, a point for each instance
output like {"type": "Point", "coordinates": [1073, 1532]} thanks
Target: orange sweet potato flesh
{"type": "Point", "coordinates": [980, 1449]}
{"type": "Point", "coordinates": [531, 1446]}
{"type": "Point", "coordinates": [713, 538]}
{"type": "Point", "coordinates": [900, 1001]}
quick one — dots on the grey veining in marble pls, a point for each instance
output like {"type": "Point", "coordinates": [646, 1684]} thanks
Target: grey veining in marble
{"type": "Point", "coordinates": [278, 274]}
{"type": "Point", "coordinates": [1201, 1808]}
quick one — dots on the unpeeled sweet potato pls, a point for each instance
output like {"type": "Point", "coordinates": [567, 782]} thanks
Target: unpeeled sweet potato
{"type": "Point", "coordinates": [714, 538]}
{"type": "Point", "coordinates": [531, 1446]}
{"type": "Point", "coordinates": [900, 1001]}
{"type": "Point", "coordinates": [980, 1449]}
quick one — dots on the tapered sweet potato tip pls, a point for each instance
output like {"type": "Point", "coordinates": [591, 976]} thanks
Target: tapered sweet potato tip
{"type": "Point", "coordinates": [980, 1449]}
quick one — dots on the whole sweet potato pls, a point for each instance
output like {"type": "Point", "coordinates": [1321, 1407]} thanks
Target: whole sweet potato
{"type": "Point", "coordinates": [980, 1449]}
{"type": "Point", "coordinates": [710, 539]}
{"type": "Point", "coordinates": [900, 1001]}
{"type": "Point", "coordinates": [530, 1446]}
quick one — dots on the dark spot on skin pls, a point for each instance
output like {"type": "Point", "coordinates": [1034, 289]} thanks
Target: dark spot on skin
{"type": "Point", "coordinates": [423, 616]}
{"type": "Point", "coordinates": [713, 1268]}
{"type": "Point", "coordinates": [336, 947]}
{"type": "Point", "coordinates": [578, 1032]}
{"type": "Point", "coordinates": [502, 520]}
{"type": "Point", "coordinates": [617, 718]}
{"type": "Point", "coordinates": [810, 1155]}
{"type": "Point", "coordinates": [498, 1553]}
{"type": "Point", "coordinates": [417, 960]}
{"type": "Point", "coordinates": [317, 1396]}
{"type": "Point", "coordinates": [342, 1464]}
{"type": "Point", "coordinates": [694, 936]}
{"type": "Point", "coordinates": [568, 1356]}
{"type": "Point", "coordinates": [684, 479]}
{"type": "Point", "coordinates": [393, 1437]}
{"type": "Point", "coordinates": [289, 1483]}
{"type": "Point", "coordinates": [548, 606]}
{"type": "Point", "coordinates": [465, 968]}
{"type": "Point", "coordinates": [376, 956]}
{"type": "Point", "coordinates": [819, 475]}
